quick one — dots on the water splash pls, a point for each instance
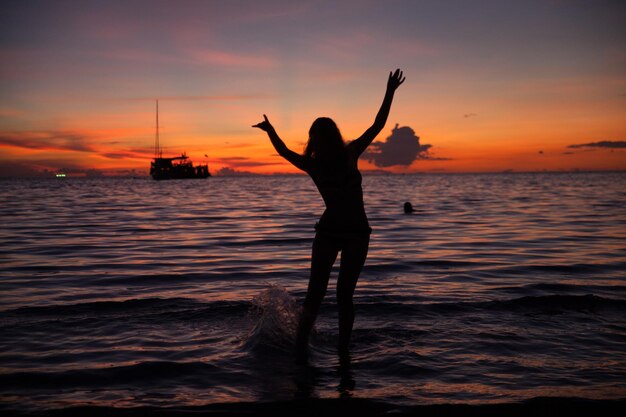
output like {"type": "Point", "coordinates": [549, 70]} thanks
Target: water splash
{"type": "Point", "coordinates": [276, 313]}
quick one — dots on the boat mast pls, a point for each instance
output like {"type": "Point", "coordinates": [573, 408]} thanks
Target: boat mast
{"type": "Point", "coordinates": [157, 146]}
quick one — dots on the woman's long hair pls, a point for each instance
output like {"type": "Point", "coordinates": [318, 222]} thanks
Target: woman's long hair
{"type": "Point", "coordinates": [325, 143]}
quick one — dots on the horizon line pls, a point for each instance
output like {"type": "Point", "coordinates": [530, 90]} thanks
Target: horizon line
{"type": "Point", "coordinates": [99, 174]}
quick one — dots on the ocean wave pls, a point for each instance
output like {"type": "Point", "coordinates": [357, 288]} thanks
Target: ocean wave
{"type": "Point", "coordinates": [420, 265]}
{"type": "Point", "coordinates": [587, 302]}
{"type": "Point", "coordinates": [360, 406]}
{"type": "Point", "coordinates": [559, 287]}
{"type": "Point", "coordinates": [549, 304]}
{"type": "Point", "coordinates": [275, 305]}
{"type": "Point", "coordinates": [264, 241]}
{"type": "Point", "coordinates": [569, 269]}
{"type": "Point", "coordinates": [132, 307]}
{"type": "Point", "coordinates": [157, 279]}
{"type": "Point", "coordinates": [144, 373]}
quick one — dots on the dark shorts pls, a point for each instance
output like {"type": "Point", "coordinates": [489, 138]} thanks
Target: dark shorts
{"type": "Point", "coordinates": [343, 238]}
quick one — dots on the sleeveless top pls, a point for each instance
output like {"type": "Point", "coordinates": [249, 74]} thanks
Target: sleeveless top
{"type": "Point", "coordinates": [341, 190]}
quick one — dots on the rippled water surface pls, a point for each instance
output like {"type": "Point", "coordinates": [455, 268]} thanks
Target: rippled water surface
{"type": "Point", "coordinates": [134, 292]}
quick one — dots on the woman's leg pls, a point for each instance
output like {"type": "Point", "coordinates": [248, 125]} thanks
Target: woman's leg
{"type": "Point", "coordinates": [353, 257]}
{"type": "Point", "coordinates": [323, 257]}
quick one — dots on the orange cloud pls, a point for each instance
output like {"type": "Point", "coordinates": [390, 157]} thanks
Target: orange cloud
{"type": "Point", "coordinates": [48, 141]}
{"type": "Point", "coordinates": [71, 148]}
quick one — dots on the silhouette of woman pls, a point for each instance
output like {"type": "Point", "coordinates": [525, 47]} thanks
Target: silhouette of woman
{"type": "Point", "coordinates": [332, 165]}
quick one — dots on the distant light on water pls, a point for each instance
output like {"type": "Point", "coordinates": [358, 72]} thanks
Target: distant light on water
{"type": "Point", "coordinates": [60, 175]}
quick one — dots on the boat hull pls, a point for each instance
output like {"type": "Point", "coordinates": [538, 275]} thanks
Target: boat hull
{"type": "Point", "coordinates": [162, 169]}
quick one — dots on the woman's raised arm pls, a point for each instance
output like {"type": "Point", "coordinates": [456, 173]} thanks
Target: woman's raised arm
{"type": "Point", "coordinates": [297, 160]}
{"type": "Point", "coordinates": [359, 145]}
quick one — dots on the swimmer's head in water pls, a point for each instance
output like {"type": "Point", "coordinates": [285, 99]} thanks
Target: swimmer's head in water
{"type": "Point", "coordinates": [408, 207]}
{"type": "Point", "coordinates": [325, 141]}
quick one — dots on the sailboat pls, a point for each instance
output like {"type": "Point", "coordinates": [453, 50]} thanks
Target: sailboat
{"type": "Point", "coordinates": [179, 167]}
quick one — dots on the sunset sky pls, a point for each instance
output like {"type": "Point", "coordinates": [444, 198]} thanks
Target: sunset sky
{"type": "Point", "coordinates": [491, 85]}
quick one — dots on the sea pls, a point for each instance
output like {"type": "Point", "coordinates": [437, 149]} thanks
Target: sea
{"type": "Point", "coordinates": [129, 292]}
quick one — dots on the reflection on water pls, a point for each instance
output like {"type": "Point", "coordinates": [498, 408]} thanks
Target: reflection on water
{"type": "Point", "coordinates": [131, 291]}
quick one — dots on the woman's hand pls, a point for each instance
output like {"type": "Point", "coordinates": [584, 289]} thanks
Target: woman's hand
{"type": "Point", "coordinates": [395, 80]}
{"type": "Point", "coordinates": [264, 125]}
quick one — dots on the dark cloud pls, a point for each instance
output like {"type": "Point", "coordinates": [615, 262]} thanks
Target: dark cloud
{"type": "Point", "coordinates": [568, 153]}
{"type": "Point", "coordinates": [469, 115]}
{"type": "Point", "coordinates": [401, 148]}
{"type": "Point", "coordinates": [230, 172]}
{"type": "Point", "coordinates": [89, 172]}
{"type": "Point", "coordinates": [234, 158]}
{"type": "Point", "coordinates": [117, 155]}
{"type": "Point", "coordinates": [51, 140]}
{"type": "Point", "coordinates": [17, 170]}
{"type": "Point", "coordinates": [131, 153]}
{"type": "Point", "coordinates": [45, 168]}
{"type": "Point", "coordinates": [240, 161]}
{"type": "Point", "coordinates": [611, 144]}
{"type": "Point", "coordinates": [540, 152]}
{"type": "Point", "coordinates": [67, 141]}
